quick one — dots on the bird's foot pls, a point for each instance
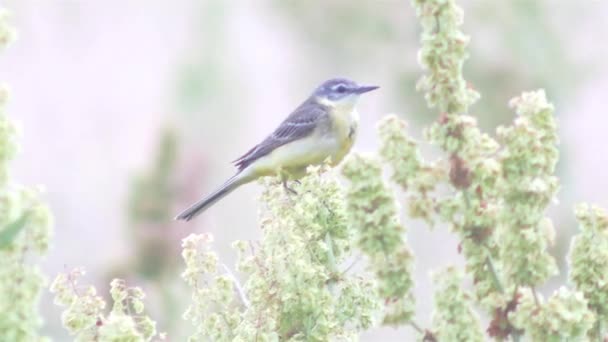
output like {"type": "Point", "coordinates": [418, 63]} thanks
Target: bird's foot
{"type": "Point", "coordinates": [288, 189]}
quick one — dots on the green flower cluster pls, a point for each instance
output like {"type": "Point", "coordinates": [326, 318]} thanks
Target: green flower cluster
{"type": "Point", "coordinates": [443, 54]}
{"type": "Point", "coordinates": [296, 287]}
{"type": "Point", "coordinates": [410, 171]}
{"type": "Point", "coordinates": [473, 209]}
{"type": "Point", "coordinates": [299, 281]}
{"type": "Point", "coordinates": [25, 229]}
{"type": "Point", "coordinates": [213, 309]}
{"type": "Point", "coordinates": [8, 138]}
{"type": "Point", "coordinates": [528, 159]}
{"type": "Point", "coordinates": [7, 32]}
{"type": "Point", "coordinates": [84, 315]}
{"type": "Point", "coordinates": [473, 170]}
{"type": "Point", "coordinates": [588, 260]}
{"type": "Point", "coordinates": [372, 212]}
{"type": "Point", "coordinates": [564, 317]}
{"type": "Point", "coordinates": [502, 191]}
{"type": "Point", "coordinates": [454, 319]}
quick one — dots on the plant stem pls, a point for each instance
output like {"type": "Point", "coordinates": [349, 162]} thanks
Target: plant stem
{"type": "Point", "coordinates": [515, 336]}
{"type": "Point", "coordinates": [330, 253]}
{"type": "Point", "coordinates": [237, 285]}
{"type": "Point", "coordinates": [535, 297]}
{"type": "Point", "coordinates": [416, 327]}
{"type": "Point", "coordinates": [494, 275]}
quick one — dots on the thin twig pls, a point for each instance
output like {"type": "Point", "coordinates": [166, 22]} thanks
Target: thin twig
{"type": "Point", "coordinates": [599, 330]}
{"type": "Point", "coordinates": [515, 336]}
{"type": "Point", "coordinates": [494, 275]}
{"type": "Point", "coordinates": [349, 267]}
{"type": "Point", "coordinates": [535, 297]}
{"type": "Point", "coordinates": [237, 285]}
{"type": "Point", "coordinates": [416, 327]}
{"type": "Point", "coordinates": [330, 252]}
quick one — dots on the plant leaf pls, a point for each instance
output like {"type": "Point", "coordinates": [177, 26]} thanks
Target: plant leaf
{"type": "Point", "coordinates": [10, 231]}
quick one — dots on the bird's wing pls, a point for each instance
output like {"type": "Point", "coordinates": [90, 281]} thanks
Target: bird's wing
{"type": "Point", "coordinates": [299, 124]}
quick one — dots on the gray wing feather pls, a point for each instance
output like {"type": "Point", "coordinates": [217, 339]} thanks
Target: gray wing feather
{"type": "Point", "coordinates": [299, 124]}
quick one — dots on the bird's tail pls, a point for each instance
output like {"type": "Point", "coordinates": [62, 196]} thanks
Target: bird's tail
{"type": "Point", "coordinates": [202, 205]}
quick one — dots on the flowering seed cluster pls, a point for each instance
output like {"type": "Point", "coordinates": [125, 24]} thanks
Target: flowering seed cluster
{"type": "Point", "coordinates": [501, 187]}
{"type": "Point", "coordinates": [7, 31]}
{"type": "Point", "coordinates": [372, 212]}
{"type": "Point", "coordinates": [442, 54]}
{"type": "Point", "coordinates": [301, 281]}
{"type": "Point", "coordinates": [213, 309]}
{"type": "Point", "coordinates": [84, 315]}
{"type": "Point", "coordinates": [409, 170]}
{"type": "Point", "coordinates": [297, 283]}
{"type": "Point", "coordinates": [564, 317]}
{"type": "Point", "coordinates": [454, 319]}
{"type": "Point", "coordinates": [528, 159]}
{"type": "Point", "coordinates": [588, 260]}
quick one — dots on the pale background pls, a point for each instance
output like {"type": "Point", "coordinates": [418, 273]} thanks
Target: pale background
{"type": "Point", "coordinates": [95, 83]}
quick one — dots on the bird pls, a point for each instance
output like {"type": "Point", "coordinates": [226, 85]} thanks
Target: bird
{"type": "Point", "coordinates": [323, 127]}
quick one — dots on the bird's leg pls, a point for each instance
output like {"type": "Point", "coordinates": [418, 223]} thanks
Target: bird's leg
{"type": "Point", "coordinates": [284, 178]}
{"type": "Point", "coordinates": [288, 189]}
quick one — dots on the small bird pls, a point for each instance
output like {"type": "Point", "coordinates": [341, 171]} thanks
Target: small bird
{"type": "Point", "coordinates": [324, 126]}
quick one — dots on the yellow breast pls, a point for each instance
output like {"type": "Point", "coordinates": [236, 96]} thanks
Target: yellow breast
{"type": "Point", "coordinates": [345, 121]}
{"type": "Point", "coordinates": [333, 138]}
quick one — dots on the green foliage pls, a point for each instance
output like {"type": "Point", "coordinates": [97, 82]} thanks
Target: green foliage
{"type": "Point", "coordinates": [84, 315]}
{"type": "Point", "coordinates": [588, 261]}
{"type": "Point", "coordinates": [373, 214]}
{"type": "Point", "coordinates": [12, 230]}
{"type": "Point", "coordinates": [301, 281]}
{"type": "Point", "coordinates": [152, 194]}
{"type": "Point", "coordinates": [296, 286]}
{"type": "Point", "coordinates": [25, 229]}
{"type": "Point", "coordinates": [409, 170]}
{"type": "Point", "coordinates": [7, 32]}
{"type": "Point", "coordinates": [443, 54]}
{"type": "Point", "coordinates": [491, 192]}
{"type": "Point", "coordinates": [564, 317]}
{"type": "Point", "coordinates": [528, 161]}
{"type": "Point", "coordinates": [150, 212]}
{"type": "Point", "coordinates": [454, 319]}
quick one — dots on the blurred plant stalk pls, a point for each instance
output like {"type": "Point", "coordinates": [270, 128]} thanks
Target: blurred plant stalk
{"type": "Point", "coordinates": [25, 231]}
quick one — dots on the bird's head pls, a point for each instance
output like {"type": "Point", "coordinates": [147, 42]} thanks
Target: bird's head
{"type": "Point", "coordinates": [340, 91]}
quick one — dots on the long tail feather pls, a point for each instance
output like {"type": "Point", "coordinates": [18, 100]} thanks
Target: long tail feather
{"type": "Point", "coordinates": [202, 205]}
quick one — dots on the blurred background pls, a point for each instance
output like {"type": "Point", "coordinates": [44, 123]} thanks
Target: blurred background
{"type": "Point", "coordinates": [131, 110]}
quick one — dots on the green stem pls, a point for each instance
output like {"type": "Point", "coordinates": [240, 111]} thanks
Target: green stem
{"type": "Point", "coordinates": [416, 327]}
{"type": "Point", "coordinates": [494, 275]}
{"type": "Point", "coordinates": [536, 301]}
{"type": "Point", "coordinates": [489, 262]}
{"type": "Point", "coordinates": [330, 253]}
{"type": "Point", "coordinates": [237, 286]}
{"type": "Point", "coordinates": [332, 261]}
{"type": "Point", "coordinates": [515, 336]}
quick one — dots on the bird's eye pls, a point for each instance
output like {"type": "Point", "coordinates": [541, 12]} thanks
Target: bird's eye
{"type": "Point", "coordinates": [341, 88]}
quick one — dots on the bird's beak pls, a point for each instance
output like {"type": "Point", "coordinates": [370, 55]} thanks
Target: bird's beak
{"type": "Point", "coordinates": [365, 89]}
